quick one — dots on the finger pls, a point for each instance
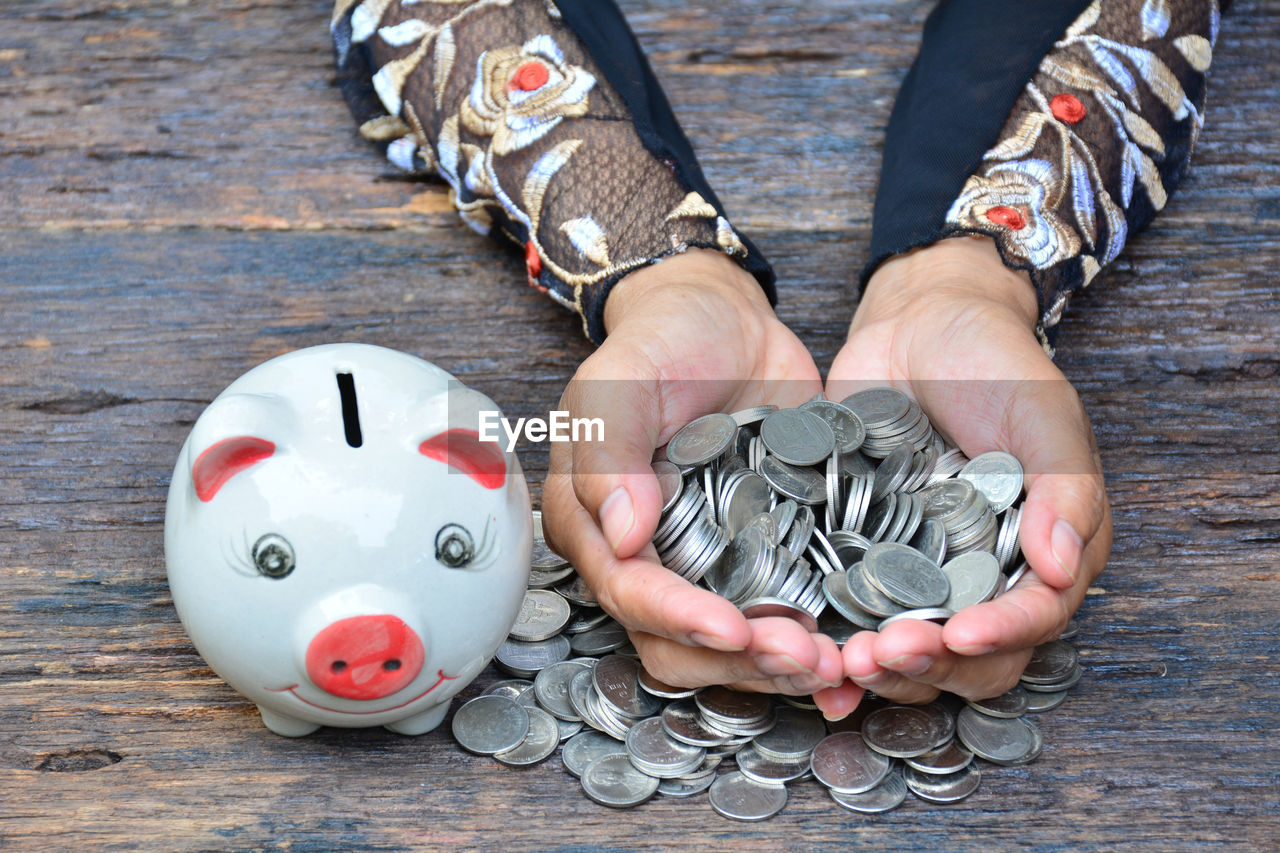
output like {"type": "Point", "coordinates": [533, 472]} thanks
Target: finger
{"type": "Point", "coordinates": [1030, 614]}
{"type": "Point", "coordinates": [861, 667]}
{"type": "Point", "coordinates": [1066, 506]}
{"type": "Point", "coordinates": [684, 666]}
{"type": "Point", "coordinates": [914, 649]}
{"type": "Point", "coordinates": [610, 460]}
{"type": "Point", "coordinates": [836, 703]}
{"type": "Point", "coordinates": [639, 592]}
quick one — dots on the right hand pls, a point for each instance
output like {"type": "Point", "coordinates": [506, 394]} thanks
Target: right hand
{"type": "Point", "coordinates": [691, 335]}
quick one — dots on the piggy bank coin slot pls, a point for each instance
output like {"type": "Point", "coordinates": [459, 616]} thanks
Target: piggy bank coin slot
{"type": "Point", "coordinates": [350, 412]}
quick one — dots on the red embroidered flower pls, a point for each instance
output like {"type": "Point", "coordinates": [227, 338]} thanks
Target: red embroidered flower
{"type": "Point", "coordinates": [1067, 108]}
{"type": "Point", "coordinates": [533, 264]}
{"type": "Point", "coordinates": [530, 77]}
{"type": "Point", "coordinates": [1009, 217]}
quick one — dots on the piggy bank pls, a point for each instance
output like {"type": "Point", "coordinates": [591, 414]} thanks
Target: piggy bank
{"type": "Point", "coordinates": [342, 547]}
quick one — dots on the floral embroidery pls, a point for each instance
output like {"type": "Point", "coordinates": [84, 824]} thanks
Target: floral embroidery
{"type": "Point", "coordinates": [520, 94]}
{"type": "Point", "coordinates": [1054, 190]}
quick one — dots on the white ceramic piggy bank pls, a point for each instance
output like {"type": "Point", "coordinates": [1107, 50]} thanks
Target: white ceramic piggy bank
{"type": "Point", "coordinates": [341, 546]}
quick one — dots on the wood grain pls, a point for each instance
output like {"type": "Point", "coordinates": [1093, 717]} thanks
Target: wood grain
{"type": "Point", "coordinates": [182, 195]}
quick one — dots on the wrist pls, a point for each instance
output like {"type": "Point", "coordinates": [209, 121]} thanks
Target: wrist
{"type": "Point", "coordinates": [704, 274]}
{"type": "Point", "coordinates": [964, 270]}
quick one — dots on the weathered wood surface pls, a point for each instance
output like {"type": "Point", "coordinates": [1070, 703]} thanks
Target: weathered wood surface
{"type": "Point", "coordinates": [182, 195]}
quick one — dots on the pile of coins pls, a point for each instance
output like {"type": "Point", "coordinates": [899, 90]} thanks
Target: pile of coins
{"type": "Point", "coordinates": [842, 516]}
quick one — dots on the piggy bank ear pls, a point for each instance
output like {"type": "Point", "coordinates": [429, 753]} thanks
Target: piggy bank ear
{"type": "Point", "coordinates": [235, 433]}
{"type": "Point", "coordinates": [455, 440]}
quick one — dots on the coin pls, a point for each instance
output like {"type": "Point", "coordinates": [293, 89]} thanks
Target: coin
{"type": "Point", "coordinates": [797, 437]}
{"type": "Point", "coordinates": [655, 752]}
{"type": "Point", "coordinates": [526, 659]}
{"type": "Point", "coordinates": [949, 788]}
{"type": "Point", "coordinates": [607, 638]}
{"type": "Point", "coordinates": [867, 597]}
{"type": "Point", "coordinates": [616, 680]}
{"type": "Point", "coordinates": [884, 797]}
{"type": "Point", "coordinates": [892, 471]}
{"type": "Point", "coordinates": [490, 724]}
{"type": "Point", "coordinates": [700, 441]}
{"type": "Point", "coordinates": [843, 763]}
{"type": "Point", "coordinates": [901, 731]}
{"type": "Point", "coordinates": [878, 407]}
{"type": "Point", "coordinates": [512, 688]}
{"type": "Point", "coordinates": [551, 687]}
{"type": "Point", "coordinates": [685, 788]}
{"type": "Point", "coordinates": [612, 780]}
{"type": "Point", "coordinates": [585, 747]}
{"type": "Point", "coordinates": [753, 415]}
{"type": "Point", "coordinates": [793, 737]}
{"type": "Point", "coordinates": [835, 587]}
{"type": "Point", "coordinates": [803, 485]}
{"type": "Point", "coordinates": [770, 771]}
{"type": "Point", "coordinates": [905, 575]}
{"type": "Point", "coordinates": [1010, 704]}
{"type": "Point", "coordinates": [848, 429]}
{"type": "Point", "coordinates": [766, 606]}
{"type": "Point", "coordinates": [740, 798]}
{"type": "Point", "coordinates": [998, 475]}
{"type": "Point", "coordinates": [670, 482]}
{"type": "Point", "coordinates": [538, 744]}
{"type": "Point", "coordinates": [1040, 702]}
{"type": "Point", "coordinates": [682, 721]}
{"type": "Point", "coordinates": [661, 689]}
{"type": "Point", "coordinates": [543, 615]}
{"type": "Point", "coordinates": [1000, 741]}
{"type": "Point", "coordinates": [745, 499]}
{"type": "Point", "coordinates": [1050, 663]}
{"type": "Point", "coordinates": [974, 577]}
{"type": "Point", "coordinates": [951, 757]}
{"type": "Point", "coordinates": [922, 614]}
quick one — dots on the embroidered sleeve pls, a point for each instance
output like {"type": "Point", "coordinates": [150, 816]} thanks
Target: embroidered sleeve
{"type": "Point", "coordinates": [540, 147]}
{"type": "Point", "coordinates": [1095, 143]}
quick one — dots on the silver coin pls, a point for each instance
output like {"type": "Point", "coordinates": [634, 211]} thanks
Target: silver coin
{"type": "Point", "coordinates": [1040, 702]}
{"type": "Point", "coordinates": [1054, 686]}
{"type": "Point", "coordinates": [543, 614]}
{"type": "Point", "coordinates": [551, 688]}
{"type": "Point", "coordinates": [949, 788]}
{"type": "Point", "coordinates": [893, 470]}
{"type": "Point", "coordinates": [784, 514]}
{"type": "Point", "coordinates": [922, 614]}
{"type": "Point", "coordinates": [770, 771]}
{"type": "Point", "coordinates": [797, 437]}
{"type": "Point", "coordinates": [901, 731]}
{"type": "Point", "coordinates": [944, 716]}
{"type": "Point", "coordinates": [526, 659]}
{"type": "Point", "coordinates": [766, 606]}
{"type": "Point", "coordinates": [879, 518]}
{"type": "Point", "coordinates": [886, 796]}
{"type": "Point", "coordinates": [867, 597]}
{"type": "Point", "coordinates": [655, 752]}
{"type": "Point", "coordinates": [490, 724]}
{"type": "Point", "coordinates": [682, 721]}
{"type": "Point", "coordinates": [670, 481]}
{"type": "Point", "coordinates": [585, 747]}
{"type": "Point", "coordinates": [948, 499]}
{"type": "Point", "coordinates": [748, 556]}
{"type": "Point", "coordinates": [585, 619]}
{"type": "Point", "coordinates": [702, 440]}
{"type": "Point", "coordinates": [1051, 663]}
{"type": "Point", "coordinates": [848, 429]}
{"type": "Point", "coordinates": [974, 577]}
{"type": "Point", "coordinates": [512, 688]}
{"type": "Point", "coordinates": [1000, 741]}
{"type": "Point", "coordinates": [844, 763]}
{"type": "Point", "coordinates": [951, 757]}
{"type": "Point", "coordinates": [662, 690]}
{"type": "Point", "coordinates": [753, 415]}
{"type": "Point", "coordinates": [612, 780]}
{"type": "Point", "coordinates": [577, 592]}
{"type": "Point", "coordinates": [1070, 631]}
{"type": "Point", "coordinates": [616, 680]}
{"type": "Point", "coordinates": [547, 578]}
{"type": "Point", "coordinates": [720, 704]}
{"type": "Point", "coordinates": [998, 475]}
{"type": "Point", "coordinates": [746, 498]}
{"type": "Point", "coordinates": [1012, 703]}
{"type": "Point", "coordinates": [803, 485]}
{"type": "Point", "coordinates": [610, 722]}
{"type": "Point", "coordinates": [538, 744]}
{"type": "Point", "coordinates": [835, 587]}
{"type": "Point", "coordinates": [607, 638]}
{"type": "Point", "coordinates": [682, 787]}
{"type": "Point", "coordinates": [740, 798]}
{"type": "Point", "coordinates": [581, 688]}
{"type": "Point", "coordinates": [878, 407]}
{"type": "Point", "coordinates": [905, 575]}
{"type": "Point", "coordinates": [793, 737]}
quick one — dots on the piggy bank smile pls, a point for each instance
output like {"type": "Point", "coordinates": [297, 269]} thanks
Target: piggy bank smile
{"type": "Point", "coordinates": [341, 547]}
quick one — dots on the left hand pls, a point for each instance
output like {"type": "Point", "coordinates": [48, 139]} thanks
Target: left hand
{"type": "Point", "coordinates": [952, 327]}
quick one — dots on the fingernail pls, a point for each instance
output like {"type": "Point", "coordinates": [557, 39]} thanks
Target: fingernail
{"type": "Point", "coordinates": [617, 516]}
{"type": "Point", "coordinates": [806, 684]}
{"type": "Point", "coordinates": [1067, 547]}
{"type": "Point", "coordinates": [835, 718]}
{"type": "Point", "coordinates": [711, 641]}
{"type": "Point", "coordinates": [909, 664]}
{"type": "Point", "coordinates": [776, 664]}
{"type": "Point", "coordinates": [870, 681]}
{"type": "Point", "coordinates": [977, 649]}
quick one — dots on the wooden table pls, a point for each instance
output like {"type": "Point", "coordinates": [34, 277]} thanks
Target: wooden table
{"type": "Point", "coordinates": [183, 195]}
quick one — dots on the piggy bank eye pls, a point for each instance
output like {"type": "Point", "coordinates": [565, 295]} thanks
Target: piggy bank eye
{"type": "Point", "coordinates": [454, 546]}
{"type": "Point", "coordinates": [273, 556]}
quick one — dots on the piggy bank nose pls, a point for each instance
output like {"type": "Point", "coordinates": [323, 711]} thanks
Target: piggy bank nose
{"type": "Point", "coordinates": [364, 657]}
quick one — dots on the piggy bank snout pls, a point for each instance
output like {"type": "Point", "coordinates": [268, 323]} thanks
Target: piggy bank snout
{"type": "Point", "coordinates": [364, 657]}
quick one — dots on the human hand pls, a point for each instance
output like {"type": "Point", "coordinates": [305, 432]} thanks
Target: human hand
{"type": "Point", "coordinates": [689, 336]}
{"type": "Point", "coordinates": [952, 327]}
